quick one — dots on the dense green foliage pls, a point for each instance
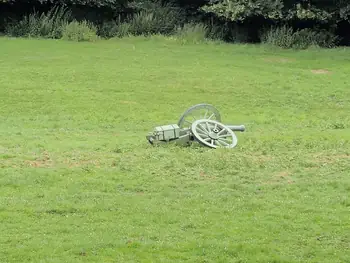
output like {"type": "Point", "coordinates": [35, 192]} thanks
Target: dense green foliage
{"type": "Point", "coordinates": [326, 11]}
{"type": "Point", "coordinates": [47, 25]}
{"type": "Point", "coordinates": [326, 21]}
{"type": "Point", "coordinates": [285, 37]}
{"type": "Point", "coordinates": [94, 3]}
{"type": "Point", "coordinates": [79, 31]}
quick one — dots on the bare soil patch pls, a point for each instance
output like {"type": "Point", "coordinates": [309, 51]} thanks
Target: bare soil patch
{"type": "Point", "coordinates": [43, 161]}
{"type": "Point", "coordinates": [282, 177]}
{"type": "Point", "coordinates": [320, 71]}
{"type": "Point", "coordinates": [330, 159]}
{"type": "Point", "coordinates": [278, 60]}
{"type": "Point", "coordinates": [127, 102]}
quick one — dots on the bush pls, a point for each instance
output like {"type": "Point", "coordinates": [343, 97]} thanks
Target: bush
{"type": "Point", "coordinates": [108, 29]}
{"type": "Point", "coordinates": [307, 37]}
{"type": "Point", "coordinates": [124, 29]}
{"type": "Point", "coordinates": [285, 37]}
{"type": "Point", "coordinates": [278, 36]}
{"type": "Point", "coordinates": [149, 18]}
{"type": "Point", "coordinates": [159, 17]}
{"type": "Point", "coordinates": [141, 23]}
{"type": "Point", "coordinates": [229, 32]}
{"type": "Point", "coordinates": [192, 33]}
{"type": "Point", "coordinates": [79, 31]}
{"type": "Point", "coordinates": [47, 25]}
{"type": "Point", "coordinates": [214, 32]}
{"type": "Point", "coordinates": [144, 23]}
{"type": "Point", "coordinates": [117, 28]}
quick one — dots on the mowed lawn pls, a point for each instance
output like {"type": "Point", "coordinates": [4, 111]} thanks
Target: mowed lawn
{"type": "Point", "coordinates": [80, 183]}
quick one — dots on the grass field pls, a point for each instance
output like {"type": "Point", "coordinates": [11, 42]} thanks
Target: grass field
{"type": "Point", "coordinates": [80, 183]}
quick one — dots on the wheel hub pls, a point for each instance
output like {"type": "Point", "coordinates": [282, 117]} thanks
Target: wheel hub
{"type": "Point", "coordinates": [214, 134]}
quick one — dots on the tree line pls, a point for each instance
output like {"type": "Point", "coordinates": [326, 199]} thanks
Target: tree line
{"type": "Point", "coordinates": [285, 23]}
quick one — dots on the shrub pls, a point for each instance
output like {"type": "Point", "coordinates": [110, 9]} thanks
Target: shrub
{"type": "Point", "coordinates": [47, 25]}
{"type": "Point", "coordinates": [141, 23]}
{"type": "Point", "coordinates": [192, 33]}
{"type": "Point", "coordinates": [285, 37]}
{"type": "Point", "coordinates": [149, 18]}
{"type": "Point", "coordinates": [124, 29]}
{"type": "Point", "coordinates": [144, 23]}
{"type": "Point", "coordinates": [79, 31]}
{"type": "Point", "coordinates": [108, 29]}
{"type": "Point", "coordinates": [159, 17]}
{"type": "Point", "coordinates": [230, 32]}
{"type": "Point", "coordinates": [278, 36]}
{"type": "Point", "coordinates": [307, 37]}
{"type": "Point", "coordinates": [215, 32]}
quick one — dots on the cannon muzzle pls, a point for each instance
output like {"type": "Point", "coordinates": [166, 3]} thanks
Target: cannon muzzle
{"type": "Point", "coordinates": [240, 128]}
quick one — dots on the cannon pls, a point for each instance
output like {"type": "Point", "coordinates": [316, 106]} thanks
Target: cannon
{"type": "Point", "coordinates": [200, 123]}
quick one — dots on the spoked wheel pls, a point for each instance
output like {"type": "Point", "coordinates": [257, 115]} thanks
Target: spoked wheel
{"type": "Point", "coordinates": [198, 112]}
{"type": "Point", "coordinates": [213, 134]}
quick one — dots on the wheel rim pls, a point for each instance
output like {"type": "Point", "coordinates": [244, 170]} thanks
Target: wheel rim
{"type": "Point", "coordinates": [213, 134]}
{"type": "Point", "coordinates": [198, 112]}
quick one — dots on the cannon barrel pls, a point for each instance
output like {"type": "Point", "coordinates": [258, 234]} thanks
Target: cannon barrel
{"type": "Point", "coordinates": [240, 128]}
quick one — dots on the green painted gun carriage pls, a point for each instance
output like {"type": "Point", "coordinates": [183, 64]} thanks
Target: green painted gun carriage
{"type": "Point", "coordinates": [200, 123]}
